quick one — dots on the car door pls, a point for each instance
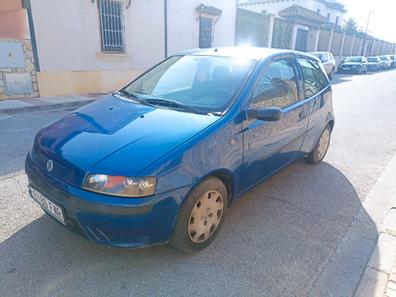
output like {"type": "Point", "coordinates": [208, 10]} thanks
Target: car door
{"type": "Point", "coordinates": [268, 146]}
{"type": "Point", "coordinates": [318, 96]}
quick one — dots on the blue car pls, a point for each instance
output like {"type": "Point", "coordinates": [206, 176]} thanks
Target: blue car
{"type": "Point", "coordinates": [163, 158]}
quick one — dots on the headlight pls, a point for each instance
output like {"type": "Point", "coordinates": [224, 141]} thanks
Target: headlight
{"type": "Point", "coordinates": [120, 185]}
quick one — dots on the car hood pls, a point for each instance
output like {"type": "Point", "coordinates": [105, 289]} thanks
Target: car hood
{"type": "Point", "coordinates": [113, 136]}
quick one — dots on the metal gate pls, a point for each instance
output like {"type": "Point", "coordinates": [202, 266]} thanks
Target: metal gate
{"type": "Point", "coordinates": [282, 34]}
{"type": "Point", "coordinates": [252, 28]}
{"type": "Point", "coordinates": [301, 40]}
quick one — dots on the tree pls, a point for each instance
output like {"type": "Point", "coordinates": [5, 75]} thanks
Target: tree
{"type": "Point", "coordinates": [350, 26]}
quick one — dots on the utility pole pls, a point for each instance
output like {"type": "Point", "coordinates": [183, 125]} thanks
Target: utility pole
{"type": "Point", "coordinates": [367, 26]}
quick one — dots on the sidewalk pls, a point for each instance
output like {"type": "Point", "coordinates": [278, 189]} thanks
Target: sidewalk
{"type": "Point", "coordinates": [379, 278]}
{"type": "Point", "coordinates": [11, 106]}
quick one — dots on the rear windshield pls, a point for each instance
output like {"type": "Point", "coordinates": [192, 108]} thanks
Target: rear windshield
{"type": "Point", "coordinates": [353, 59]}
{"type": "Point", "coordinates": [384, 58]}
{"type": "Point", "coordinates": [372, 59]}
{"type": "Point", "coordinates": [318, 55]}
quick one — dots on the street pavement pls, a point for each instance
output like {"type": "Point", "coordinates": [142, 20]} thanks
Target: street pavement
{"type": "Point", "coordinates": [283, 238]}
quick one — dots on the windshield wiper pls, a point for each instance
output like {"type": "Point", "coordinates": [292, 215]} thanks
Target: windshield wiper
{"type": "Point", "coordinates": [175, 104]}
{"type": "Point", "coordinates": [132, 97]}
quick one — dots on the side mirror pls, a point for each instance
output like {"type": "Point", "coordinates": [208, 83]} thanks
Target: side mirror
{"type": "Point", "coordinates": [269, 114]}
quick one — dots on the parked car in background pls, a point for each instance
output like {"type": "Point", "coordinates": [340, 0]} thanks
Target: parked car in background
{"type": "Point", "coordinates": [386, 62]}
{"type": "Point", "coordinates": [162, 159]}
{"type": "Point", "coordinates": [393, 60]}
{"type": "Point", "coordinates": [328, 62]}
{"type": "Point", "coordinates": [373, 64]}
{"type": "Point", "coordinates": [353, 64]}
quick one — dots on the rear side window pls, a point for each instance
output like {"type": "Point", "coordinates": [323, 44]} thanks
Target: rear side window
{"type": "Point", "coordinates": [277, 86]}
{"type": "Point", "coordinates": [314, 78]}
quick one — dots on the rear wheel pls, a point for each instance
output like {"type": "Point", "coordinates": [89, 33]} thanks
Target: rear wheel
{"type": "Point", "coordinates": [201, 216]}
{"type": "Point", "coordinates": [331, 74]}
{"type": "Point", "coordinates": [321, 147]}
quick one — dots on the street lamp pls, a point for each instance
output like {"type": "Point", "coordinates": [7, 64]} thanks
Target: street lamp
{"type": "Point", "coordinates": [367, 26]}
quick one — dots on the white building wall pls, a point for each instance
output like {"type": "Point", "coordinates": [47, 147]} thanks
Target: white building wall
{"type": "Point", "coordinates": [68, 38]}
{"type": "Point", "coordinates": [69, 41]}
{"type": "Point", "coordinates": [183, 24]}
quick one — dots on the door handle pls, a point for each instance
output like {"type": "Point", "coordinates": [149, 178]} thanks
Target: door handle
{"type": "Point", "coordinates": [303, 114]}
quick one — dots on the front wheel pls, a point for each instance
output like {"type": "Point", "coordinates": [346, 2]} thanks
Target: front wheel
{"type": "Point", "coordinates": [200, 216]}
{"type": "Point", "coordinates": [321, 147]}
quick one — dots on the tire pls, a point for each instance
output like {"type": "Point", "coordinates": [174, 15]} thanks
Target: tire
{"type": "Point", "coordinates": [192, 215]}
{"type": "Point", "coordinates": [331, 74]}
{"type": "Point", "coordinates": [319, 152]}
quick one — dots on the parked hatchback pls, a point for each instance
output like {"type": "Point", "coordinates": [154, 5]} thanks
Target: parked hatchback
{"type": "Point", "coordinates": [328, 62]}
{"type": "Point", "coordinates": [373, 64]}
{"type": "Point", "coordinates": [353, 64]}
{"type": "Point", "coordinates": [162, 159]}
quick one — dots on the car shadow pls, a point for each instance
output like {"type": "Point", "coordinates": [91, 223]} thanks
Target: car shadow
{"type": "Point", "coordinates": [341, 78]}
{"type": "Point", "coordinates": [274, 242]}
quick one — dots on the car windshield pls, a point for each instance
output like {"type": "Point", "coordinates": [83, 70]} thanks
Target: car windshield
{"type": "Point", "coordinates": [353, 59]}
{"type": "Point", "coordinates": [206, 83]}
{"type": "Point", "coordinates": [372, 59]}
{"type": "Point", "coordinates": [384, 58]}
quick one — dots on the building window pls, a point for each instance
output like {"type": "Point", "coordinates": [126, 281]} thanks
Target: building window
{"type": "Point", "coordinates": [205, 32]}
{"type": "Point", "coordinates": [112, 26]}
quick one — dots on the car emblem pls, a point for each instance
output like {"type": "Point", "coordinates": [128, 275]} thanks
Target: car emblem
{"type": "Point", "coordinates": [50, 165]}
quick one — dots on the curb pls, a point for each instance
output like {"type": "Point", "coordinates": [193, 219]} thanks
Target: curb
{"type": "Point", "coordinates": [11, 111]}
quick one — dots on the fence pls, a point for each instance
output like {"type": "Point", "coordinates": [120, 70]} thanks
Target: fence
{"type": "Point", "coordinates": [264, 30]}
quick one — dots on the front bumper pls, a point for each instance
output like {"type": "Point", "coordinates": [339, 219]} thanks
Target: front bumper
{"type": "Point", "coordinates": [120, 222]}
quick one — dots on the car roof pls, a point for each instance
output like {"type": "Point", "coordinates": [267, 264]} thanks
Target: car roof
{"type": "Point", "coordinates": [254, 53]}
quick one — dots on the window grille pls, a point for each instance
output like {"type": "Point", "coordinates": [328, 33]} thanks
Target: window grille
{"type": "Point", "coordinates": [112, 26]}
{"type": "Point", "coordinates": [205, 32]}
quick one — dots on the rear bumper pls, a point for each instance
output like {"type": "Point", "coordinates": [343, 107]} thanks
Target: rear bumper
{"type": "Point", "coordinates": [120, 222]}
{"type": "Point", "coordinates": [351, 70]}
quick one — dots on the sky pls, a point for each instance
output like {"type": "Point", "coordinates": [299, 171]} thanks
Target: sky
{"type": "Point", "coordinates": [382, 23]}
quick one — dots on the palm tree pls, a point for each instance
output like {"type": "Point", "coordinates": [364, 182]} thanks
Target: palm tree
{"type": "Point", "coordinates": [350, 26]}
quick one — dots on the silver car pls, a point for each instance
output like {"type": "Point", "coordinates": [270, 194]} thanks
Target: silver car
{"type": "Point", "coordinates": [386, 62]}
{"type": "Point", "coordinates": [328, 62]}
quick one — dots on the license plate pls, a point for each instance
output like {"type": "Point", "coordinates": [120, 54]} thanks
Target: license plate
{"type": "Point", "coordinates": [48, 205]}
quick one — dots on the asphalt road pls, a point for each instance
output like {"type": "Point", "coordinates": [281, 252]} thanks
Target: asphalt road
{"type": "Point", "coordinates": [276, 240]}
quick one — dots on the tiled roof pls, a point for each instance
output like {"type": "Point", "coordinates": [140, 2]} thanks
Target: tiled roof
{"type": "Point", "coordinates": [299, 11]}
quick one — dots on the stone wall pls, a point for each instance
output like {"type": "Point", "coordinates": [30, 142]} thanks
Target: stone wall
{"type": "Point", "coordinates": [28, 70]}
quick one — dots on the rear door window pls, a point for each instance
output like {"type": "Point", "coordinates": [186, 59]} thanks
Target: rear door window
{"type": "Point", "coordinates": [277, 86]}
{"type": "Point", "coordinates": [314, 78]}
